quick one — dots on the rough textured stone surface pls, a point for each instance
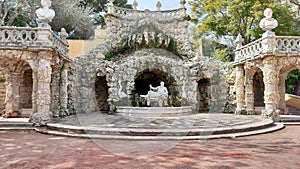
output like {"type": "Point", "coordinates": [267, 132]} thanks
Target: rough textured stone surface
{"type": "Point", "coordinates": [32, 62]}
{"type": "Point", "coordinates": [263, 75]}
{"type": "Point", "coordinates": [2, 89]}
{"type": "Point", "coordinates": [142, 48]}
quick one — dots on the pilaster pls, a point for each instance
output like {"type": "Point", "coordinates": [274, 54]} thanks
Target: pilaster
{"type": "Point", "coordinates": [271, 80]}
{"type": "Point", "coordinates": [240, 89]}
{"type": "Point", "coordinates": [12, 95]}
{"type": "Point", "coordinates": [42, 80]}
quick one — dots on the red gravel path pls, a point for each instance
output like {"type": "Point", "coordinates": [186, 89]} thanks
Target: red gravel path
{"type": "Point", "coordinates": [32, 150]}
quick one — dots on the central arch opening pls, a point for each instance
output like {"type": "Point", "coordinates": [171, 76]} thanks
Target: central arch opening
{"type": "Point", "coordinates": [146, 78]}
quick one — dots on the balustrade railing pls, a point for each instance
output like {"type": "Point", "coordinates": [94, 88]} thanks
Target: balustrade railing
{"type": "Point", "coordinates": [159, 15]}
{"type": "Point", "coordinates": [287, 44]}
{"type": "Point", "coordinates": [17, 37]}
{"type": "Point", "coordinates": [14, 36]}
{"type": "Point", "coordinates": [275, 45]}
{"type": "Point", "coordinates": [248, 51]}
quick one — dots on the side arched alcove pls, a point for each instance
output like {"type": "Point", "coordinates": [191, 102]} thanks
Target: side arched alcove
{"type": "Point", "coordinates": [292, 67]}
{"type": "Point", "coordinates": [87, 77]}
{"type": "Point", "coordinates": [210, 88]}
{"type": "Point", "coordinates": [101, 91]}
{"type": "Point", "coordinates": [254, 88]}
{"type": "Point", "coordinates": [16, 87]}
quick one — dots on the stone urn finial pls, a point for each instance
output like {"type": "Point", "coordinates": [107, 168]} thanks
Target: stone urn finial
{"type": "Point", "coordinates": [63, 34]}
{"type": "Point", "coordinates": [135, 4]}
{"type": "Point", "coordinates": [268, 23]}
{"type": "Point", "coordinates": [239, 41]}
{"type": "Point", "coordinates": [158, 6]}
{"type": "Point", "coordinates": [44, 14]}
{"type": "Point", "coordinates": [182, 3]}
{"type": "Point", "coordinates": [111, 2]}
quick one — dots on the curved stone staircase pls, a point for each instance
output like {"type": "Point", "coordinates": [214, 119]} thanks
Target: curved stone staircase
{"type": "Point", "coordinates": [243, 126]}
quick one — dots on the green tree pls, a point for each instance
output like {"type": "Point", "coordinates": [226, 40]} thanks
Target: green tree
{"type": "Point", "coordinates": [226, 18]}
{"type": "Point", "coordinates": [72, 17]}
{"type": "Point", "coordinates": [293, 82]}
{"type": "Point", "coordinates": [98, 7]}
{"type": "Point", "coordinates": [15, 12]}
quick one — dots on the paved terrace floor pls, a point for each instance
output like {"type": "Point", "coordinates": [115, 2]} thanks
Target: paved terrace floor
{"type": "Point", "coordinates": [278, 150]}
{"type": "Point", "coordinates": [207, 120]}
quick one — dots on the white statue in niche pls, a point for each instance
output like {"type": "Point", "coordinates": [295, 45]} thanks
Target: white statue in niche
{"type": "Point", "coordinates": [157, 94]}
{"type": "Point", "coordinates": [268, 23]}
{"type": "Point", "coordinates": [44, 14]}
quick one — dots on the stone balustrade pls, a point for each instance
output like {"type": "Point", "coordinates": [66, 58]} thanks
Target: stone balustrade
{"type": "Point", "coordinates": [275, 45]}
{"type": "Point", "coordinates": [158, 15]}
{"type": "Point", "coordinates": [288, 44]}
{"type": "Point", "coordinates": [32, 39]}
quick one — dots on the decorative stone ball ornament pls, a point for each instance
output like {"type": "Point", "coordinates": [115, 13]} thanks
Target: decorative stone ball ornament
{"type": "Point", "coordinates": [111, 2]}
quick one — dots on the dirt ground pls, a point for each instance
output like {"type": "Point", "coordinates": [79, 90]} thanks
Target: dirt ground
{"type": "Point", "coordinates": [280, 150]}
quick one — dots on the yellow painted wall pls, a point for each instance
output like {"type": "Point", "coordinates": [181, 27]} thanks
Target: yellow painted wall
{"type": "Point", "coordinates": [81, 47]}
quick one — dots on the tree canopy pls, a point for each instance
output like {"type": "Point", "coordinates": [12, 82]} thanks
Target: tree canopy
{"type": "Point", "coordinates": [78, 17]}
{"type": "Point", "coordinates": [15, 12]}
{"type": "Point", "coordinates": [98, 7]}
{"type": "Point", "coordinates": [229, 18]}
{"type": "Point", "coordinates": [73, 18]}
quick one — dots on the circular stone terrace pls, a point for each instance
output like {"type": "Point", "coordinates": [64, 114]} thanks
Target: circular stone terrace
{"type": "Point", "coordinates": [177, 127]}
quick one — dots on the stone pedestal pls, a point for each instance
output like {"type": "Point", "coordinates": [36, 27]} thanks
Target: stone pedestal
{"type": "Point", "coordinates": [43, 36]}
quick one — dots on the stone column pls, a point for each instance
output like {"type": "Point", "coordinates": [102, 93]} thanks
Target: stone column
{"type": "Point", "coordinates": [42, 80]}
{"type": "Point", "coordinates": [281, 88]}
{"type": "Point", "coordinates": [271, 80]}
{"type": "Point", "coordinates": [12, 95]}
{"type": "Point", "coordinates": [239, 87]}
{"type": "Point", "coordinates": [55, 90]}
{"type": "Point", "coordinates": [249, 96]}
{"type": "Point", "coordinates": [64, 89]}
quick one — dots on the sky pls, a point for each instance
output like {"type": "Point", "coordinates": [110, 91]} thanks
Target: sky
{"type": "Point", "coordinates": [151, 4]}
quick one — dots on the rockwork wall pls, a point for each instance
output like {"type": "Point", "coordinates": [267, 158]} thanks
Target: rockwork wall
{"type": "Point", "coordinates": [2, 90]}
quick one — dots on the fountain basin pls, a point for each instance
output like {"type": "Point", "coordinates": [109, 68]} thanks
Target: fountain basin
{"type": "Point", "coordinates": [154, 111]}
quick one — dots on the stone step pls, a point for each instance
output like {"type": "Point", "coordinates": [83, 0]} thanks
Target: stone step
{"type": "Point", "coordinates": [268, 129]}
{"type": "Point", "coordinates": [290, 118]}
{"type": "Point", "coordinates": [25, 113]}
{"type": "Point", "coordinates": [16, 128]}
{"type": "Point", "coordinates": [290, 123]}
{"type": "Point", "coordinates": [157, 132]}
{"type": "Point", "coordinates": [258, 110]}
{"type": "Point", "coordinates": [15, 124]}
